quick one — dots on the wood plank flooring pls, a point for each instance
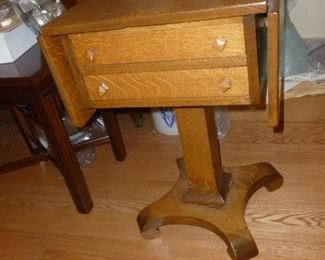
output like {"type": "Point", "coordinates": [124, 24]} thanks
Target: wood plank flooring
{"type": "Point", "coordinates": [38, 219]}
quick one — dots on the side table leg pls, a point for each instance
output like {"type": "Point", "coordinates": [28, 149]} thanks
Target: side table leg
{"type": "Point", "coordinates": [114, 132]}
{"type": "Point", "coordinates": [46, 110]}
{"type": "Point", "coordinates": [27, 130]}
{"type": "Point", "coordinates": [136, 117]}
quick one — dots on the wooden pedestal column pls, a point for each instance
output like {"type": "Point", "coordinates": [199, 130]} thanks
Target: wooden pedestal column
{"type": "Point", "coordinates": [205, 194]}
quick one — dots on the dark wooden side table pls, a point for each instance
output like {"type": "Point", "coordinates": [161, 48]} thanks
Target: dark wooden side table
{"type": "Point", "coordinates": [186, 54]}
{"type": "Point", "coordinates": [28, 81]}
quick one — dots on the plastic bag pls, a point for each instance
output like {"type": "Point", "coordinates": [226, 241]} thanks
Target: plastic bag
{"type": "Point", "coordinates": [86, 156]}
{"type": "Point", "coordinates": [316, 53]}
{"type": "Point", "coordinates": [294, 53]}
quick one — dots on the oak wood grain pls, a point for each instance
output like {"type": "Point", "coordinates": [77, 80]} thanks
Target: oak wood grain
{"type": "Point", "coordinates": [202, 163]}
{"type": "Point", "coordinates": [255, 91]}
{"type": "Point", "coordinates": [227, 221]}
{"type": "Point", "coordinates": [52, 47]}
{"type": "Point", "coordinates": [177, 87]}
{"type": "Point", "coordinates": [110, 15]}
{"type": "Point", "coordinates": [175, 44]}
{"type": "Point", "coordinates": [195, 40]}
{"type": "Point", "coordinates": [79, 84]}
{"type": "Point", "coordinates": [210, 63]}
{"type": "Point", "coordinates": [273, 78]}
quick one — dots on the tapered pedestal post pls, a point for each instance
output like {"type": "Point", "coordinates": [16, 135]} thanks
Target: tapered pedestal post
{"type": "Point", "coordinates": [207, 195]}
{"type": "Point", "coordinates": [207, 182]}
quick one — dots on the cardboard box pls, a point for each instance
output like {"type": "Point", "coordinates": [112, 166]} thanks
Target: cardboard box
{"type": "Point", "coordinates": [15, 43]}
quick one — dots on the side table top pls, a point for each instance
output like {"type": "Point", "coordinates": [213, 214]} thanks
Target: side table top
{"type": "Point", "coordinates": [26, 78]}
{"type": "Point", "coordinates": [97, 15]}
{"type": "Point", "coordinates": [27, 65]}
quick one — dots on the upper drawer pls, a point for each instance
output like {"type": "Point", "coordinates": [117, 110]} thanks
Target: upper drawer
{"type": "Point", "coordinates": [193, 40]}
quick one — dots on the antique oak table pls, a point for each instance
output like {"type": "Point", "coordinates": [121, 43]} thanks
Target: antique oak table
{"type": "Point", "coordinates": [186, 54]}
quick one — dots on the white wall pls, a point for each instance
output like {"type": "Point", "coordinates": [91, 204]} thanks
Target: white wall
{"type": "Point", "coordinates": [309, 18]}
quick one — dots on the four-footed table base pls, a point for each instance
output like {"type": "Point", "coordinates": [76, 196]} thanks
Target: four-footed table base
{"type": "Point", "coordinates": [226, 221]}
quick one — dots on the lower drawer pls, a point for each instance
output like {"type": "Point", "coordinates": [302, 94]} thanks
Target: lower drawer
{"type": "Point", "coordinates": [169, 88]}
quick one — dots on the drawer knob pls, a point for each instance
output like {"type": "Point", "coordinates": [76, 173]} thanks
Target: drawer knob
{"type": "Point", "coordinates": [91, 53]}
{"type": "Point", "coordinates": [102, 89]}
{"type": "Point", "coordinates": [220, 44]}
{"type": "Point", "coordinates": [225, 84]}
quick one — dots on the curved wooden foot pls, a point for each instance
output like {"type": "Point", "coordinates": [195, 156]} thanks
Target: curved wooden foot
{"type": "Point", "coordinates": [227, 221]}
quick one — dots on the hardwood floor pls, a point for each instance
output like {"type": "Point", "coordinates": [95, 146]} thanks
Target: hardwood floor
{"type": "Point", "coordinates": [38, 219]}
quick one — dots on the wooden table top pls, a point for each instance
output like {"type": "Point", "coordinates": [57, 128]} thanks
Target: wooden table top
{"type": "Point", "coordinates": [103, 16]}
{"type": "Point", "coordinates": [97, 15]}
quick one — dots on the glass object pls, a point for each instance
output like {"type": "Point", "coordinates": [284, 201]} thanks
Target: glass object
{"type": "Point", "coordinates": [8, 19]}
{"type": "Point", "coordinates": [36, 13]}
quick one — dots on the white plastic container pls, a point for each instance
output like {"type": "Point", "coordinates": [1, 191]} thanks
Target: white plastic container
{"type": "Point", "coordinates": [164, 121]}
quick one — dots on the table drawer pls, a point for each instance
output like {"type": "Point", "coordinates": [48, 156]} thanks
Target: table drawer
{"type": "Point", "coordinates": [184, 41]}
{"type": "Point", "coordinates": [163, 88]}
